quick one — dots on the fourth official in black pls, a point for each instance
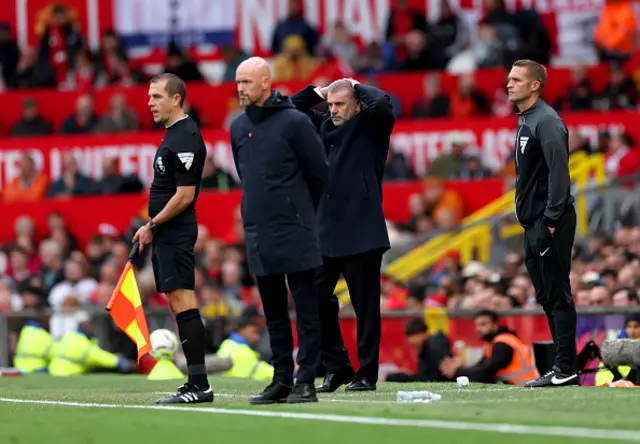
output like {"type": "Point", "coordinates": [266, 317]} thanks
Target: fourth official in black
{"type": "Point", "coordinates": [544, 208]}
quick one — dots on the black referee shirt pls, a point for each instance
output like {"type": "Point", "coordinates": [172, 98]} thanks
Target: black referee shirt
{"type": "Point", "coordinates": [178, 162]}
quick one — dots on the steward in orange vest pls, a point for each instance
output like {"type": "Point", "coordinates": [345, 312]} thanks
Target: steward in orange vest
{"type": "Point", "coordinates": [506, 358]}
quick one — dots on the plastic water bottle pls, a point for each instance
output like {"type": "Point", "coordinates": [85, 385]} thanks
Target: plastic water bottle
{"type": "Point", "coordinates": [418, 396]}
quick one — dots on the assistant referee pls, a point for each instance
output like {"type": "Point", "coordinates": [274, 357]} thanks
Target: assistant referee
{"type": "Point", "coordinates": [544, 208]}
{"type": "Point", "coordinates": [173, 229]}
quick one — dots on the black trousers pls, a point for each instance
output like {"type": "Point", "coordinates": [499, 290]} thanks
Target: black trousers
{"type": "Point", "coordinates": [275, 303]}
{"type": "Point", "coordinates": [362, 273]}
{"type": "Point", "coordinates": [549, 272]}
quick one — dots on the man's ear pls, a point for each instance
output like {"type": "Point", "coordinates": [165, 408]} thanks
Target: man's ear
{"type": "Point", "coordinates": [358, 105]}
{"type": "Point", "coordinates": [535, 86]}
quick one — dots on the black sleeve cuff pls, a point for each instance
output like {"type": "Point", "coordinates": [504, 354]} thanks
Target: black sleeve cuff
{"type": "Point", "coordinates": [461, 371]}
{"type": "Point", "coordinates": [553, 223]}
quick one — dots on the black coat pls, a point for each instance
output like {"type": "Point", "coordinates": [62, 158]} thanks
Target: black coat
{"type": "Point", "coordinates": [283, 169]}
{"type": "Point", "coordinates": [350, 217]}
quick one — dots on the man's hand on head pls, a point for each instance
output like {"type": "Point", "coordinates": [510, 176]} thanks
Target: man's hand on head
{"type": "Point", "coordinates": [323, 91]}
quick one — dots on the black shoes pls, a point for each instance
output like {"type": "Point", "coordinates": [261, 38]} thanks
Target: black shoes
{"type": "Point", "coordinates": [361, 384]}
{"type": "Point", "coordinates": [274, 393]}
{"type": "Point", "coordinates": [302, 393]}
{"type": "Point", "coordinates": [277, 393]}
{"type": "Point", "coordinates": [554, 378]}
{"type": "Point", "coordinates": [333, 381]}
{"type": "Point", "coordinates": [188, 394]}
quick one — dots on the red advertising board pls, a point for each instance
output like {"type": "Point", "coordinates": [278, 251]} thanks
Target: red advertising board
{"type": "Point", "coordinates": [396, 354]}
{"type": "Point", "coordinates": [420, 141]}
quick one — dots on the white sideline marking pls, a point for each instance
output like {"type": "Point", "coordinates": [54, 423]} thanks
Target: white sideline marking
{"type": "Point", "coordinates": [576, 432]}
{"type": "Point", "coordinates": [374, 394]}
{"type": "Point", "coordinates": [347, 399]}
{"type": "Point", "coordinates": [353, 401]}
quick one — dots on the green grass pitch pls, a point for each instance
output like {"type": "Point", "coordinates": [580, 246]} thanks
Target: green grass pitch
{"type": "Point", "coordinates": [103, 408]}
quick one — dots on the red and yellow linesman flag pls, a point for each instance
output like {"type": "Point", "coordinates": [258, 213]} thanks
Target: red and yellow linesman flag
{"type": "Point", "coordinates": [125, 307]}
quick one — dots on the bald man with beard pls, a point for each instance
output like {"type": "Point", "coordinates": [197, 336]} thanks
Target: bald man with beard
{"type": "Point", "coordinates": [283, 169]}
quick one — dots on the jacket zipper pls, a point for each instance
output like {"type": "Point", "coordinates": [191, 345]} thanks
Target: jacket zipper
{"type": "Point", "coordinates": [517, 163]}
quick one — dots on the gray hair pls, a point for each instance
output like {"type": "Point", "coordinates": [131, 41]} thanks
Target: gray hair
{"type": "Point", "coordinates": [341, 85]}
{"type": "Point", "coordinates": [51, 246]}
{"type": "Point", "coordinates": [24, 223]}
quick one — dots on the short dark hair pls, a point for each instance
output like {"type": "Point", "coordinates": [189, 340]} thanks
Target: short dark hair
{"type": "Point", "coordinates": [608, 272]}
{"type": "Point", "coordinates": [633, 317]}
{"type": "Point", "coordinates": [535, 70]}
{"type": "Point", "coordinates": [242, 323]}
{"type": "Point", "coordinates": [174, 85]}
{"type": "Point", "coordinates": [489, 314]}
{"type": "Point", "coordinates": [415, 326]}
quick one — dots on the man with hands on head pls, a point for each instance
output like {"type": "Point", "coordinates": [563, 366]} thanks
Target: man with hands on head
{"type": "Point", "coordinates": [353, 234]}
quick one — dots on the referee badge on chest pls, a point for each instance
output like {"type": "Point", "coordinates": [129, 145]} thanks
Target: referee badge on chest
{"type": "Point", "coordinates": [159, 165]}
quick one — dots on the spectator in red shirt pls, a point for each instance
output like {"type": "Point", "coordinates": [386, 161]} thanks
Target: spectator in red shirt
{"type": "Point", "coordinates": [402, 20]}
{"type": "Point", "coordinates": [84, 76]}
{"type": "Point", "coordinates": [60, 43]}
{"type": "Point", "coordinates": [622, 159]}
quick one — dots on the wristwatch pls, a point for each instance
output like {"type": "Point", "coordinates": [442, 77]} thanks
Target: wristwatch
{"type": "Point", "coordinates": [152, 226]}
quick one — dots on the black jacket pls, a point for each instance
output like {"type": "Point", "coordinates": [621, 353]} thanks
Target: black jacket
{"type": "Point", "coordinates": [281, 163]}
{"type": "Point", "coordinates": [543, 187]}
{"type": "Point", "coordinates": [350, 217]}
{"type": "Point", "coordinates": [487, 368]}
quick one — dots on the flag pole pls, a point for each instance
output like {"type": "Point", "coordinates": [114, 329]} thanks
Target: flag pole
{"type": "Point", "coordinates": [134, 251]}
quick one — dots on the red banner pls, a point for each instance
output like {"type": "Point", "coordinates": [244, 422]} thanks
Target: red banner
{"type": "Point", "coordinates": [420, 141]}
{"type": "Point", "coordinates": [493, 138]}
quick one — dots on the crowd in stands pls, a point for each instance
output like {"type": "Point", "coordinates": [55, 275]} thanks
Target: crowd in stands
{"type": "Point", "coordinates": [31, 185]}
{"type": "Point", "coordinates": [410, 43]}
{"type": "Point", "coordinates": [300, 53]}
{"type": "Point", "coordinates": [57, 273]}
{"type": "Point", "coordinates": [605, 273]}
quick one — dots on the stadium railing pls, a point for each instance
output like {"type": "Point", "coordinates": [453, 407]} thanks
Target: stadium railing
{"type": "Point", "coordinates": [594, 324]}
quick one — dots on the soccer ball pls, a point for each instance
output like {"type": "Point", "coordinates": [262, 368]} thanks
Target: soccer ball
{"type": "Point", "coordinates": [164, 344]}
